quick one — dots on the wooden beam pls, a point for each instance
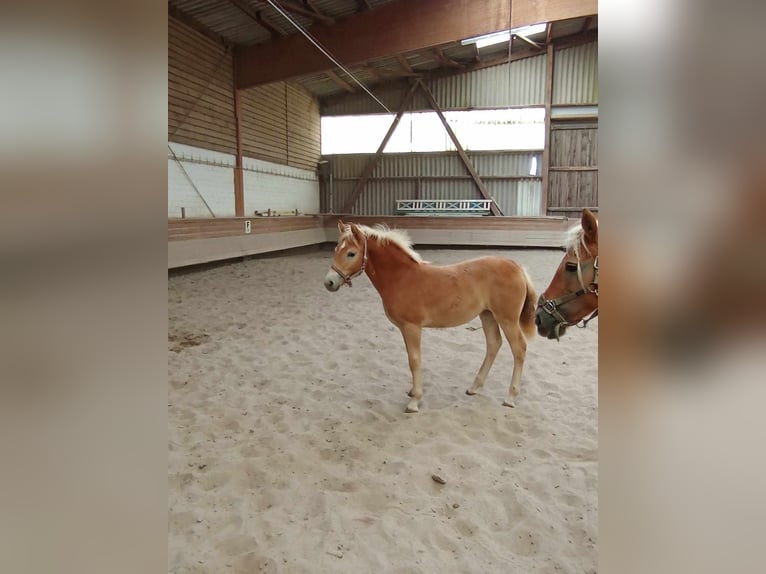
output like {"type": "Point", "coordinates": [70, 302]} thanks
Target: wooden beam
{"type": "Point", "coordinates": [255, 16]}
{"type": "Point", "coordinates": [396, 27]}
{"type": "Point", "coordinates": [548, 32]}
{"type": "Point", "coordinates": [460, 151]}
{"type": "Point", "coordinates": [343, 84]}
{"type": "Point", "coordinates": [404, 63]}
{"type": "Point", "coordinates": [586, 24]}
{"type": "Point", "coordinates": [442, 58]}
{"type": "Point", "coordinates": [558, 43]}
{"type": "Point", "coordinates": [312, 7]}
{"type": "Point", "coordinates": [532, 43]}
{"type": "Point", "coordinates": [187, 20]}
{"type": "Point", "coordinates": [239, 176]}
{"type": "Point", "coordinates": [275, 32]}
{"type": "Point", "coordinates": [301, 11]}
{"type": "Point", "coordinates": [372, 163]}
{"type": "Point", "coordinates": [550, 57]}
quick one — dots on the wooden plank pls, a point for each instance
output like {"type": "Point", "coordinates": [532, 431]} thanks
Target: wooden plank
{"type": "Point", "coordinates": [373, 161]}
{"type": "Point", "coordinates": [301, 11]}
{"type": "Point", "coordinates": [239, 180]}
{"type": "Point", "coordinates": [546, 185]}
{"type": "Point", "coordinates": [397, 27]}
{"type": "Point", "coordinates": [460, 151]}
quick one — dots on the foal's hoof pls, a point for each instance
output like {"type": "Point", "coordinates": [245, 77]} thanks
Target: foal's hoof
{"type": "Point", "coordinates": [412, 407]}
{"type": "Point", "coordinates": [509, 404]}
{"type": "Point", "coordinates": [469, 392]}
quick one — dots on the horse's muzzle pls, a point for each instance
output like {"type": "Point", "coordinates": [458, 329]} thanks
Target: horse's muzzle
{"type": "Point", "coordinates": [332, 281]}
{"type": "Point", "coordinates": [546, 325]}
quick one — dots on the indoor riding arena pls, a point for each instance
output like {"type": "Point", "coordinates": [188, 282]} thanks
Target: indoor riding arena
{"type": "Point", "coordinates": [473, 127]}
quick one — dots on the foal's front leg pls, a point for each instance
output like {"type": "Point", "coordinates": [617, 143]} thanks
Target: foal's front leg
{"type": "Point", "coordinates": [411, 334]}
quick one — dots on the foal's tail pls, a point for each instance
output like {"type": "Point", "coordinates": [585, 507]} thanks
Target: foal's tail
{"type": "Point", "coordinates": [527, 316]}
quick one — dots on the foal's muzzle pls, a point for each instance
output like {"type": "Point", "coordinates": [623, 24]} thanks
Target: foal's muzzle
{"type": "Point", "coordinates": [332, 281]}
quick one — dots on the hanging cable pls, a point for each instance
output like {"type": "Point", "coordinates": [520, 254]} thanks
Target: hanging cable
{"type": "Point", "coordinates": [510, 42]}
{"type": "Point", "coordinates": [297, 25]}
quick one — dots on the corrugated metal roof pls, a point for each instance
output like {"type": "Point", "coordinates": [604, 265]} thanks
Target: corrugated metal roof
{"type": "Point", "coordinates": [486, 88]}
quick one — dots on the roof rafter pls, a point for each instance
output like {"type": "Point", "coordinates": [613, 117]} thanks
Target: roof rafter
{"type": "Point", "coordinates": [446, 60]}
{"type": "Point", "coordinates": [192, 23]}
{"type": "Point", "coordinates": [301, 11]}
{"type": "Point", "coordinates": [255, 16]}
{"type": "Point", "coordinates": [558, 43]}
{"type": "Point", "coordinates": [398, 27]}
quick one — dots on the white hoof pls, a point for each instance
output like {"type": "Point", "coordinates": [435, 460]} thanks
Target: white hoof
{"type": "Point", "coordinates": [412, 407]}
{"type": "Point", "coordinates": [470, 392]}
{"type": "Point", "coordinates": [509, 404]}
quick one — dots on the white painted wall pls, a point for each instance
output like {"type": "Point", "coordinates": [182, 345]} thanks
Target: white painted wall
{"type": "Point", "coordinates": [212, 173]}
{"type": "Point", "coordinates": [267, 185]}
{"type": "Point", "coordinates": [279, 187]}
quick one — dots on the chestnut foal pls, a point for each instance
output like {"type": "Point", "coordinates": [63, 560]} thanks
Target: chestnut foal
{"type": "Point", "coordinates": [417, 294]}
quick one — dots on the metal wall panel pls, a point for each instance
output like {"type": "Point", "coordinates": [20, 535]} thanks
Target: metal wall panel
{"type": "Point", "coordinates": [575, 75]}
{"type": "Point", "coordinates": [483, 89]}
{"type": "Point", "coordinates": [435, 176]}
{"type": "Point", "coordinates": [493, 88]}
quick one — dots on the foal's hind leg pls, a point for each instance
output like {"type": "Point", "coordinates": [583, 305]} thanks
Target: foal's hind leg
{"type": "Point", "coordinates": [411, 334]}
{"type": "Point", "coordinates": [519, 348]}
{"type": "Point", "coordinates": [494, 342]}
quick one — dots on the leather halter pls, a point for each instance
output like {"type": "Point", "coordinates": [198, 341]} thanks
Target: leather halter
{"type": "Point", "coordinates": [550, 306]}
{"type": "Point", "coordinates": [347, 278]}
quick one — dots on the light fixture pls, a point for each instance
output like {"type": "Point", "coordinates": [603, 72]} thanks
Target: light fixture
{"type": "Point", "coordinates": [503, 35]}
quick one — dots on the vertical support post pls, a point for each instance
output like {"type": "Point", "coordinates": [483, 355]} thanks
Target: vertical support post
{"type": "Point", "coordinates": [460, 151]}
{"type": "Point", "coordinates": [239, 177]}
{"type": "Point", "coordinates": [548, 139]}
{"type": "Point", "coordinates": [373, 161]}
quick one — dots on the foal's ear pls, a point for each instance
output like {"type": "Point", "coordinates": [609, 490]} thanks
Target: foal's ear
{"type": "Point", "coordinates": [357, 233]}
{"type": "Point", "coordinates": [589, 225]}
{"type": "Point", "coordinates": [341, 226]}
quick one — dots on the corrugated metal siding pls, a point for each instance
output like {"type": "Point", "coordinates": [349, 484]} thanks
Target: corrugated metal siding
{"type": "Point", "coordinates": [435, 176]}
{"type": "Point", "coordinates": [492, 88]}
{"type": "Point", "coordinates": [575, 75]}
{"type": "Point", "coordinates": [483, 89]}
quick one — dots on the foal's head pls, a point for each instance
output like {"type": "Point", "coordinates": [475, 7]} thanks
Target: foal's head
{"type": "Point", "coordinates": [573, 291]}
{"type": "Point", "coordinates": [350, 257]}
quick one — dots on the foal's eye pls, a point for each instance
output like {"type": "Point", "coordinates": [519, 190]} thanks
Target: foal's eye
{"type": "Point", "coordinates": [351, 254]}
{"type": "Point", "coordinates": [570, 266]}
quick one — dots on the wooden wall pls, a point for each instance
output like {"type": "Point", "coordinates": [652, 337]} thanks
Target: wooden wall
{"type": "Point", "coordinates": [279, 122]}
{"type": "Point", "coordinates": [574, 168]}
{"type": "Point", "coordinates": [200, 96]}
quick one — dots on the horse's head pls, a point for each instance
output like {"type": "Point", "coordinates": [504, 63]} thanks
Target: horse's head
{"type": "Point", "coordinates": [350, 257]}
{"type": "Point", "coordinates": [573, 291]}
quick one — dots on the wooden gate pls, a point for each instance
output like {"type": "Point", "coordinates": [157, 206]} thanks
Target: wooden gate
{"type": "Point", "coordinates": [573, 172]}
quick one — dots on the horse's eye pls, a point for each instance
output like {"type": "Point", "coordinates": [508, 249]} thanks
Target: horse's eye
{"type": "Point", "coordinates": [570, 266]}
{"type": "Point", "coordinates": [351, 254]}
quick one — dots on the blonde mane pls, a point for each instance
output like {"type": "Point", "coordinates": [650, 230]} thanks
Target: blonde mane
{"type": "Point", "coordinates": [575, 240]}
{"type": "Point", "coordinates": [384, 235]}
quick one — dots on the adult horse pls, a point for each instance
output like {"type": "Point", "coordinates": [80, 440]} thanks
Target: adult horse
{"type": "Point", "coordinates": [417, 294]}
{"type": "Point", "coordinates": [573, 291]}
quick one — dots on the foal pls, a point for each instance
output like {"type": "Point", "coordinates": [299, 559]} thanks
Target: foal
{"type": "Point", "coordinates": [417, 294]}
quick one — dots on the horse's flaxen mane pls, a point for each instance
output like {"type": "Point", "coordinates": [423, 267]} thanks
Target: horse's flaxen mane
{"type": "Point", "coordinates": [384, 235]}
{"type": "Point", "coordinates": [576, 240]}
